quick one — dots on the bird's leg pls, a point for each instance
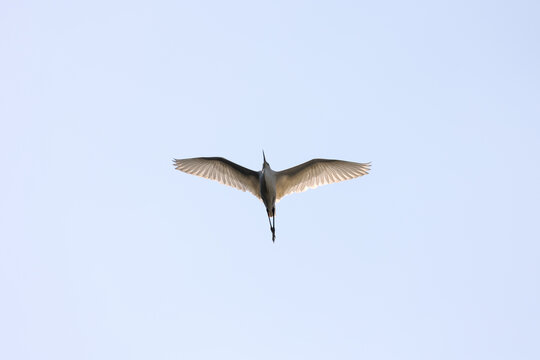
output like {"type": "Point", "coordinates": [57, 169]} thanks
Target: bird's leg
{"type": "Point", "coordinates": [273, 227]}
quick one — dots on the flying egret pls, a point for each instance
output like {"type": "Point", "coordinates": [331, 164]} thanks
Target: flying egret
{"type": "Point", "coordinates": [269, 185]}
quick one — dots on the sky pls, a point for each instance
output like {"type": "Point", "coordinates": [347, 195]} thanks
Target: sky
{"type": "Point", "coordinates": [108, 252]}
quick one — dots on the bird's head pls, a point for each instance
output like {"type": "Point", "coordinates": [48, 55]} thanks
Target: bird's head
{"type": "Point", "coordinates": [265, 164]}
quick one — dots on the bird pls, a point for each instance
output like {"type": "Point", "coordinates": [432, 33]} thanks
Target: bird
{"type": "Point", "coordinates": [271, 186]}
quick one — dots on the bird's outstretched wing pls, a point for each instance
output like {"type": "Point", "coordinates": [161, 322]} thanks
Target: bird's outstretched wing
{"type": "Point", "coordinates": [317, 172]}
{"type": "Point", "coordinates": [221, 170]}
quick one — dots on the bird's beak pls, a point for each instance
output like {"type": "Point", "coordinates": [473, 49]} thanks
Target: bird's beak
{"type": "Point", "coordinates": [264, 158]}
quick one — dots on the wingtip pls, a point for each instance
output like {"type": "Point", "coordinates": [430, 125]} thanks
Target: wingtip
{"type": "Point", "coordinates": [176, 163]}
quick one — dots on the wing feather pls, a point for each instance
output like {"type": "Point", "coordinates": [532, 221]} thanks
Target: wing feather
{"type": "Point", "coordinates": [317, 172]}
{"type": "Point", "coordinates": [221, 170]}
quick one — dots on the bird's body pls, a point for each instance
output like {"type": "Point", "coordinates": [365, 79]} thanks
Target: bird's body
{"type": "Point", "coordinates": [267, 179]}
{"type": "Point", "coordinates": [269, 185]}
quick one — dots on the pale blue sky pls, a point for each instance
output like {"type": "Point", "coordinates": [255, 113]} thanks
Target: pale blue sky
{"type": "Point", "coordinates": [107, 252]}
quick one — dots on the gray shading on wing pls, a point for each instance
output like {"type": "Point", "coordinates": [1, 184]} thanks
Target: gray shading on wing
{"type": "Point", "coordinates": [317, 172]}
{"type": "Point", "coordinates": [223, 171]}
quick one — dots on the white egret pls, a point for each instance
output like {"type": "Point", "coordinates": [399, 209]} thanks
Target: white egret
{"type": "Point", "coordinates": [269, 185]}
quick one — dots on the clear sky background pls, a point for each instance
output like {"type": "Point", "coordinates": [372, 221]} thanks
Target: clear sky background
{"type": "Point", "coordinates": [107, 252]}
